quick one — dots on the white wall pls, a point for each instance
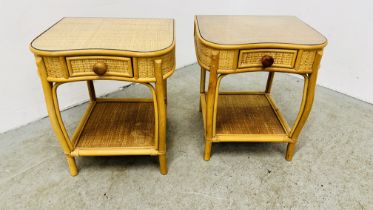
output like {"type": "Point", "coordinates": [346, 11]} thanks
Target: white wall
{"type": "Point", "coordinates": [345, 67]}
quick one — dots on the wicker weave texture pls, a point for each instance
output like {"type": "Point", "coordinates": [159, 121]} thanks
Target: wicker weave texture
{"type": "Point", "coordinates": [55, 68]}
{"type": "Point", "coordinates": [141, 35]}
{"type": "Point", "coordinates": [282, 58]}
{"type": "Point", "coordinates": [227, 58]}
{"type": "Point", "coordinates": [307, 60]}
{"type": "Point", "coordinates": [251, 58]}
{"type": "Point", "coordinates": [118, 124]}
{"type": "Point", "coordinates": [120, 65]}
{"type": "Point", "coordinates": [146, 69]}
{"type": "Point", "coordinates": [246, 114]}
{"type": "Point", "coordinates": [79, 65]}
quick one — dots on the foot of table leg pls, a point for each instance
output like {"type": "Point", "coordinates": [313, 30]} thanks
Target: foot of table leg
{"type": "Point", "coordinates": [290, 151]}
{"type": "Point", "coordinates": [72, 165]}
{"type": "Point", "coordinates": [208, 145]}
{"type": "Point", "coordinates": [163, 164]}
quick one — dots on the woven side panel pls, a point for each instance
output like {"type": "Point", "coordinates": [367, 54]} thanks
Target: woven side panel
{"type": "Point", "coordinates": [146, 65]}
{"type": "Point", "coordinates": [307, 59]}
{"type": "Point", "coordinates": [54, 67]}
{"type": "Point", "coordinates": [253, 58]}
{"type": "Point", "coordinates": [226, 57]}
{"type": "Point", "coordinates": [86, 65]}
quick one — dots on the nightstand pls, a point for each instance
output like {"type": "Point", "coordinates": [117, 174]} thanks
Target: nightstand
{"type": "Point", "coordinates": [228, 45]}
{"type": "Point", "coordinates": [87, 49]}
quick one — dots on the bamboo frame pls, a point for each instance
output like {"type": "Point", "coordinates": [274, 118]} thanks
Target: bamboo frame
{"type": "Point", "coordinates": [271, 75]}
{"type": "Point", "coordinates": [91, 90]}
{"type": "Point", "coordinates": [306, 106]}
{"type": "Point", "coordinates": [251, 138]}
{"type": "Point", "coordinates": [76, 151]}
{"type": "Point", "coordinates": [209, 99]}
{"type": "Point", "coordinates": [162, 115]}
{"type": "Point", "coordinates": [220, 77]}
{"type": "Point", "coordinates": [115, 152]}
{"type": "Point", "coordinates": [54, 117]}
{"type": "Point", "coordinates": [69, 145]}
{"type": "Point", "coordinates": [291, 133]}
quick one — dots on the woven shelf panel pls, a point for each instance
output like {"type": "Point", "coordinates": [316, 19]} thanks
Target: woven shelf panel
{"type": "Point", "coordinates": [86, 65]}
{"type": "Point", "coordinates": [252, 58]}
{"type": "Point", "coordinates": [55, 68]}
{"type": "Point", "coordinates": [307, 60]}
{"type": "Point", "coordinates": [246, 114]}
{"type": "Point", "coordinates": [142, 35]}
{"type": "Point", "coordinates": [226, 57]}
{"type": "Point", "coordinates": [118, 124]}
{"type": "Point", "coordinates": [146, 65]}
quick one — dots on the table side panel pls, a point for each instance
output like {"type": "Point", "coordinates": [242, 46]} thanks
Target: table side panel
{"type": "Point", "coordinates": [145, 65]}
{"type": "Point", "coordinates": [227, 58]}
{"type": "Point", "coordinates": [55, 66]}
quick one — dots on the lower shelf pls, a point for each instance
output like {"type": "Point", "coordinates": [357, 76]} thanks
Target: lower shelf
{"type": "Point", "coordinates": [246, 114]}
{"type": "Point", "coordinates": [247, 117]}
{"type": "Point", "coordinates": [116, 127]}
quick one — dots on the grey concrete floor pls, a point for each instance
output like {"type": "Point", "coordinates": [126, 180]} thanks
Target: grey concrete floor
{"type": "Point", "coordinates": [331, 169]}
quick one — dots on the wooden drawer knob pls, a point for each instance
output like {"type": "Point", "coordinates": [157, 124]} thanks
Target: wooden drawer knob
{"type": "Point", "coordinates": [100, 68]}
{"type": "Point", "coordinates": [267, 61]}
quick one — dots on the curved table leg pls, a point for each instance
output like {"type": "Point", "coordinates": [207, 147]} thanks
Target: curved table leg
{"type": "Point", "coordinates": [308, 97]}
{"type": "Point", "coordinates": [162, 117]}
{"type": "Point", "coordinates": [210, 104]}
{"type": "Point", "coordinates": [202, 85]}
{"type": "Point", "coordinates": [91, 90]}
{"type": "Point", "coordinates": [53, 116]}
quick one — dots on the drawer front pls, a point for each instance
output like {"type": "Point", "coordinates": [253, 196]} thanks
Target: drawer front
{"type": "Point", "coordinates": [253, 58]}
{"type": "Point", "coordinates": [114, 66]}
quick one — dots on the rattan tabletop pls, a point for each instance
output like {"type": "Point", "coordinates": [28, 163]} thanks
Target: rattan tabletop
{"type": "Point", "coordinates": [136, 35]}
{"type": "Point", "coordinates": [237, 30]}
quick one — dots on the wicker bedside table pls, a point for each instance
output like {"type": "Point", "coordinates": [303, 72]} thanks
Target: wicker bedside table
{"type": "Point", "coordinates": [86, 49]}
{"type": "Point", "coordinates": [236, 44]}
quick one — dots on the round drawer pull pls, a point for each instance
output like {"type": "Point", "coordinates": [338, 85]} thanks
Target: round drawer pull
{"type": "Point", "coordinates": [100, 68]}
{"type": "Point", "coordinates": [267, 61]}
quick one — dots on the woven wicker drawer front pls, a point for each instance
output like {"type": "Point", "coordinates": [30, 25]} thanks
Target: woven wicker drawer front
{"type": "Point", "coordinates": [83, 65]}
{"type": "Point", "coordinates": [252, 58]}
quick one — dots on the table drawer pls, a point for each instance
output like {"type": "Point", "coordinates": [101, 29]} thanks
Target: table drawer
{"type": "Point", "coordinates": [253, 58]}
{"type": "Point", "coordinates": [99, 66]}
